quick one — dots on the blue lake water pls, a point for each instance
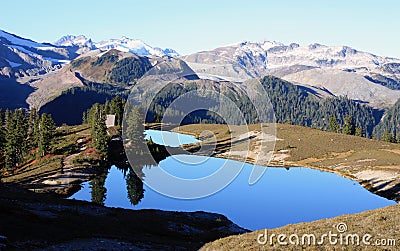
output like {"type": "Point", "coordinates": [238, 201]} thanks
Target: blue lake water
{"type": "Point", "coordinates": [170, 138]}
{"type": "Point", "coordinates": [279, 198]}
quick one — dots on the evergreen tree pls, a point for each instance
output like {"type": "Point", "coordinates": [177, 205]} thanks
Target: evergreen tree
{"type": "Point", "coordinates": [2, 117]}
{"type": "Point", "coordinates": [2, 140]}
{"type": "Point", "coordinates": [388, 137]}
{"type": "Point", "coordinates": [360, 132]}
{"type": "Point", "coordinates": [15, 138]}
{"type": "Point", "coordinates": [117, 108]}
{"type": "Point", "coordinates": [390, 122]}
{"type": "Point", "coordinates": [333, 124]}
{"type": "Point", "coordinates": [46, 133]}
{"type": "Point", "coordinates": [99, 129]}
{"type": "Point", "coordinates": [33, 129]}
{"type": "Point", "coordinates": [84, 117]}
{"type": "Point", "coordinates": [107, 107]}
{"type": "Point", "coordinates": [134, 128]}
{"type": "Point", "coordinates": [349, 127]}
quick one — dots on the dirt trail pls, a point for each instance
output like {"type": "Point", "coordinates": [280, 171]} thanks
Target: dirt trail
{"type": "Point", "coordinates": [70, 175]}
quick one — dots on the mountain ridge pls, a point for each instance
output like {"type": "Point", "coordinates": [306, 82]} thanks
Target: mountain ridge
{"type": "Point", "coordinates": [375, 79]}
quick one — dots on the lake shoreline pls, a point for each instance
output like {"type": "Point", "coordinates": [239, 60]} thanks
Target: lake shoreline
{"type": "Point", "coordinates": [383, 181]}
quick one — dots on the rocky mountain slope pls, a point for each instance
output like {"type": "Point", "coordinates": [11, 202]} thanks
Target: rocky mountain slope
{"type": "Point", "coordinates": [92, 77]}
{"type": "Point", "coordinates": [21, 57]}
{"type": "Point", "coordinates": [328, 70]}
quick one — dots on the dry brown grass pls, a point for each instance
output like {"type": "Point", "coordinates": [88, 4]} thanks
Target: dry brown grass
{"type": "Point", "coordinates": [317, 148]}
{"type": "Point", "coordinates": [333, 147]}
{"type": "Point", "coordinates": [381, 223]}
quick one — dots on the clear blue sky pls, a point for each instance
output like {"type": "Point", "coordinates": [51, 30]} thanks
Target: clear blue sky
{"type": "Point", "coordinates": [190, 26]}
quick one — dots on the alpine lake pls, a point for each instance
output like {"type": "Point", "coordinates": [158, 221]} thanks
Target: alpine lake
{"type": "Point", "coordinates": [281, 196]}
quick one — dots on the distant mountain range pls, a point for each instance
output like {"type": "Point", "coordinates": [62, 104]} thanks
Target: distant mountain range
{"type": "Point", "coordinates": [326, 70]}
{"type": "Point", "coordinates": [45, 70]}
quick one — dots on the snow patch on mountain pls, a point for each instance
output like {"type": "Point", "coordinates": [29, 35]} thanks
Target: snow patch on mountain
{"type": "Point", "coordinates": [13, 64]}
{"type": "Point", "coordinates": [15, 40]}
{"type": "Point", "coordinates": [124, 44]}
{"type": "Point", "coordinates": [135, 46]}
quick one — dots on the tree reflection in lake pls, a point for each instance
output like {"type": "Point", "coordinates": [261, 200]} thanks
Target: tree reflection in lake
{"type": "Point", "coordinates": [134, 186]}
{"type": "Point", "coordinates": [142, 154]}
{"type": "Point", "coordinates": [98, 190]}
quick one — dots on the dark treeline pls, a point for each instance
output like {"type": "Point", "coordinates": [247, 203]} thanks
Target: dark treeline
{"type": "Point", "coordinates": [129, 69]}
{"type": "Point", "coordinates": [24, 136]}
{"type": "Point", "coordinates": [389, 127]}
{"type": "Point", "coordinates": [295, 106]}
{"type": "Point", "coordinates": [291, 104]}
{"type": "Point", "coordinates": [200, 106]}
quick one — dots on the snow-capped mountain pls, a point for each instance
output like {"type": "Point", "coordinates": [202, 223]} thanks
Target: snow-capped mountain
{"type": "Point", "coordinates": [20, 56]}
{"type": "Point", "coordinates": [78, 44]}
{"type": "Point", "coordinates": [328, 70]}
{"type": "Point", "coordinates": [135, 46]}
{"type": "Point", "coordinates": [124, 44]}
{"type": "Point", "coordinates": [71, 40]}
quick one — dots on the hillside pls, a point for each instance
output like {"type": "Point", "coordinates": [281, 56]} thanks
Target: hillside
{"type": "Point", "coordinates": [326, 70]}
{"type": "Point", "coordinates": [33, 74]}
{"type": "Point", "coordinates": [291, 104]}
{"type": "Point", "coordinates": [20, 57]}
{"type": "Point", "coordinates": [381, 224]}
{"type": "Point", "coordinates": [113, 66]}
{"type": "Point", "coordinates": [92, 77]}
